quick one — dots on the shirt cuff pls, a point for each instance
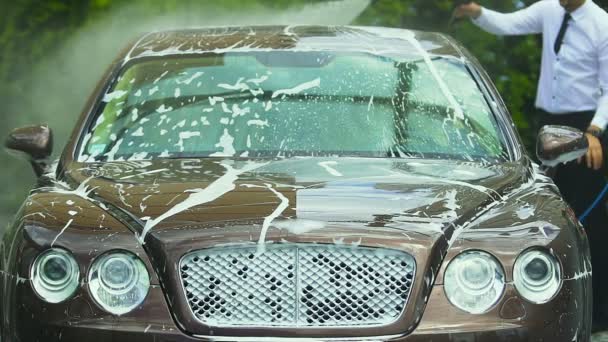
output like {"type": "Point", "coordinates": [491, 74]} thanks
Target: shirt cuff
{"type": "Point", "coordinates": [600, 122]}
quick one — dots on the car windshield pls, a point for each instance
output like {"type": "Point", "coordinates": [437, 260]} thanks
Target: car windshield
{"type": "Point", "coordinates": [284, 103]}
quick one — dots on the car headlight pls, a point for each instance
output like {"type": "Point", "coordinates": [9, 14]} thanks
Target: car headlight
{"type": "Point", "coordinates": [119, 282]}
{"type": "Point", "coordinates": [537, 276]}
{"type": "Point", "coordinates": [474, 281]}
{"type": "Point", "coordinates": [54, 275]}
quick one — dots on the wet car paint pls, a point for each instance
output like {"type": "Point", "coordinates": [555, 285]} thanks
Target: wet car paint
{"type": "Point", "coordinates": [163, 209]}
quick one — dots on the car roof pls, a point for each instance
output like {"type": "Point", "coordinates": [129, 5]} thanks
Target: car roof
{"type": "Point", "coordinates": [375, 40]}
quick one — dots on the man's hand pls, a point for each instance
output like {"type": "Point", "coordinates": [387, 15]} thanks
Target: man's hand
{"type": "Point", "coordinates": [595, 155]}
{"type": "Point", "coordinates": [470, 10]}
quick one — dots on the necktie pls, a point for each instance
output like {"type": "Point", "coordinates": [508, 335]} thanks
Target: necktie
{"type": "Point", "coordinates": [562, 33]}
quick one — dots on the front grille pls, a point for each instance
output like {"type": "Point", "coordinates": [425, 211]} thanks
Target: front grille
{"type": "Point", "coordinates": [297, 285]}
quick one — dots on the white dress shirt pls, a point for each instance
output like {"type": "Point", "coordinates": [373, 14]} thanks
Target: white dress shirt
{"type": "Point", "coordinates": [576, 79]}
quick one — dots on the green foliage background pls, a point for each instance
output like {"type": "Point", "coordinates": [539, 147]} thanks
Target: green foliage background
{"type": "Point", "coordinates": [36, 42]}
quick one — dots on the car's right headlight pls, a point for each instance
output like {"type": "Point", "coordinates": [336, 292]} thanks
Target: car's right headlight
{"type": "Point", "coordinates": [119, 281]}
{"type": "Point", "coordinates": [537, 276]}
{"type": "Point", "coordinates": [474, 281]}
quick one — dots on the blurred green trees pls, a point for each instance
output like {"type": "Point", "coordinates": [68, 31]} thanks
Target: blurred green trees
{"type": "Point", "coordinates": [42, 81]}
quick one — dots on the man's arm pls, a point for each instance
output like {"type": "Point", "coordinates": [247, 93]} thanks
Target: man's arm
{"type": "Point", "coordinates": [600, 119]}
{"type": "Point", "coordinates": [595, 156]}
{"type": "Point", "coordinates": [526, 21]}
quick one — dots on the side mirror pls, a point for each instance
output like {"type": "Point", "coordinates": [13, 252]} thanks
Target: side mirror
{"type": "Point", "coordinates": [560, 144]}
{"type": "Point", "coordinates": [36, 142]}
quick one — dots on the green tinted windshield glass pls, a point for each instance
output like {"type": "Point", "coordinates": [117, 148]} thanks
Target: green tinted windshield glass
{"type": "Point", "coordinates": [267, 104]}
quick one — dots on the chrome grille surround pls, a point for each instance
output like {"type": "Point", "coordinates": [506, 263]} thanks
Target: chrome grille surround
{"type": "Point", "coordinates": [303, 285]}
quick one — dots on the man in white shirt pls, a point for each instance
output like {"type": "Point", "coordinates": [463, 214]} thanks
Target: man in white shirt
{"type": "Point", "coordinates": [572, 91]}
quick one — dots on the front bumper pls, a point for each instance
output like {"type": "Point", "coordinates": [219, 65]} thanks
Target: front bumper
{"type": "Point", "coordinates": [156, 334]}
{"type": "Point", "coordinates": [511, 320]}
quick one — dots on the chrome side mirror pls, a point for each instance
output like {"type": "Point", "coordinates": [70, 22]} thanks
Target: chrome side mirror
{"type": "Point", "coordinates": [36, 142]}
{"type": "Point", "coordinates": [560, 144]}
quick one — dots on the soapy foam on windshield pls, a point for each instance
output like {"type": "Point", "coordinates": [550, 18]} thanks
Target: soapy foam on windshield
{"type": "Point", "coordinates": [226, 144]}
{"type": "Point", "coordinates": [298, 89]}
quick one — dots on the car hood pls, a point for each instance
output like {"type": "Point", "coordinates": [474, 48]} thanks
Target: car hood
{"type": "Point", "coordinates": [296, 195]}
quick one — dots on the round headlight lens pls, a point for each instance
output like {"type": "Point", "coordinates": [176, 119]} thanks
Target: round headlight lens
{"type": "Point", "coordinates": [54, 275]}
{"type": "Point", "coordinates": [119, 282]}
{"type": "Point", "coordinates": [537, 276]}
{"type": "Point", "coordinates": [474, 281]}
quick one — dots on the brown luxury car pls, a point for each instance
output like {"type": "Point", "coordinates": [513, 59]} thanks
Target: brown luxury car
{"type": "Point", "coordinates": [294, 183]}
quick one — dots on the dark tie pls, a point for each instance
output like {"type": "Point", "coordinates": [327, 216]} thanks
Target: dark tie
{"type": "Point", "coordinates": [562, 33]}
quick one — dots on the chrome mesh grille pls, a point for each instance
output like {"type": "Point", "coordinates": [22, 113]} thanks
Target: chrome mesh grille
{"type": "Point", "coordinates": [297, 285]}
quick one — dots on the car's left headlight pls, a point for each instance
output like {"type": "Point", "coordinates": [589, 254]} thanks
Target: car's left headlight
{"type": "Point", "coordinates": [474, 281]}
{"type": "Point", "coordinates": [537, 276]}
{"type": "Point", "coordinates": [119, 282]}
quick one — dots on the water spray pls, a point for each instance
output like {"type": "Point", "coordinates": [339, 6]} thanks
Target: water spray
{"type": "Point", "coordinates": [64, 80]}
